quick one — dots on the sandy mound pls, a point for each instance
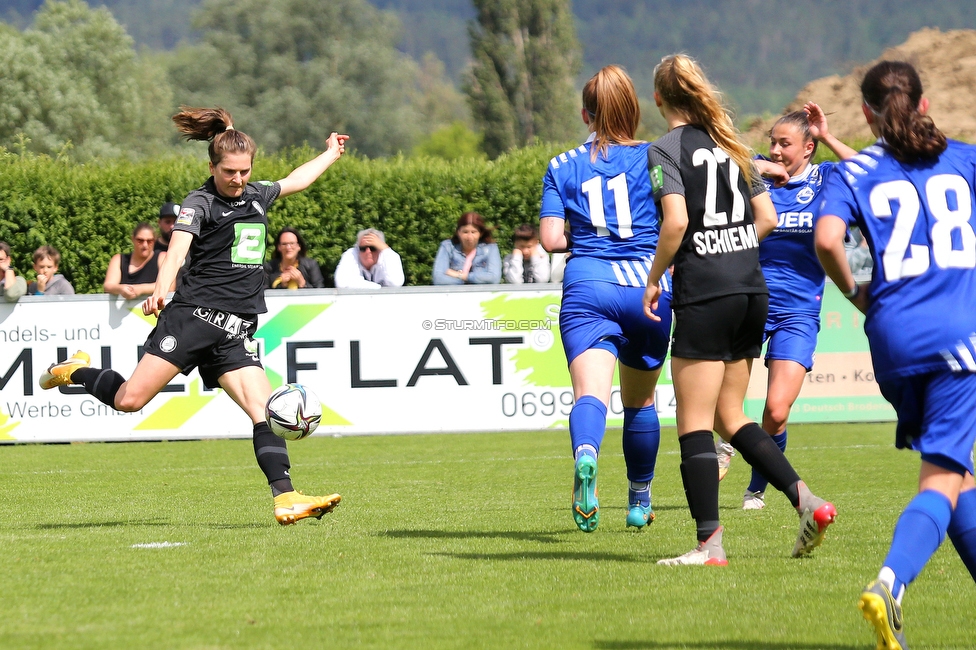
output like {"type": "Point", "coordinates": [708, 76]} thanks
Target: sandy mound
{"type": "Point", "coordinates": [946, 62]}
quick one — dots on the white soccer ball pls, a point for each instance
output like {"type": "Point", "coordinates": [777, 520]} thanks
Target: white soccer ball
{"type": "Point", "coordinates": [293, 412]}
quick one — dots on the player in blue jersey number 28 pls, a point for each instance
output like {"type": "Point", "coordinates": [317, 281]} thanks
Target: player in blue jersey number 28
{"type": "Point", "coordinates": [912, 194]}
{"type": "Point", "coordinates": [602, 189]}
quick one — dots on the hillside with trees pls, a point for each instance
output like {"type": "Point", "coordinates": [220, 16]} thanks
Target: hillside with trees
{"type": "Point", "coordinates": [403, 75]}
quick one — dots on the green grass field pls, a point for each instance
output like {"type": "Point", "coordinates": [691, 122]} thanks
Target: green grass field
{"type": "Point", "coordinates": [444, 541]}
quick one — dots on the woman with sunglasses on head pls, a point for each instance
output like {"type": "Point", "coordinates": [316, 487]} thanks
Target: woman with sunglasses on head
{"type": "Point", "coordinates": [290, 267]}
{"type": "Point", "coordinates": [211, 320]}
{"type": "Point", "coordinates": [134, 274]}
{"type": "Point", "coordinates": [715, 210]}
{"type": "Point", "coordinates": [370, 264]}
{"type": "Point", "coordinates": [602, 192]}
{"type": "Point", "coordinates": [913, 195]}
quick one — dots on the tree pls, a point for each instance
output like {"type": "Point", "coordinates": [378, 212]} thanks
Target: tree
{"type": "Point", "coordinates": [72, 84]}
{"type": "Point", "coordinates": [292, 71]}
{"type": "Point", "coordinates": [521, 83]}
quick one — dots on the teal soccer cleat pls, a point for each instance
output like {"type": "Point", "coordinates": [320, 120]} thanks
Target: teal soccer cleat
{"type": "Point", "coordinates": [586, 508]}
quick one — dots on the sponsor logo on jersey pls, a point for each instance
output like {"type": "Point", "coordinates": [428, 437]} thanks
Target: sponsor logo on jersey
{"type": "Point", "coordinates": [805, 195]}
{"type": "Point", "coordinates": [168, 344]}
{"type": "Point", "coordinates": [237, 204]}
{"type": "Point", "coordinates": [227, 214]}
{"type": "Point", "coordinates": [232, 324]}
{"type": "Point", "coordinates": [186, 216]}
{"type": "Point", "coordinates": [802, 220]}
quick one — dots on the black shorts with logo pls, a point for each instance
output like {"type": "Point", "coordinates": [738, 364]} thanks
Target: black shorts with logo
{"type": "Point", "coordinates": [727, 328]}
{"type": "Point", "coordinates": [215, 341]}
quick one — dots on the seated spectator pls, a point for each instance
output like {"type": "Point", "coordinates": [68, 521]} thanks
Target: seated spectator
{"type": "Point", "coordinates": [49, 282]}
{"type": "Point", "coordinates": [370, 264]}
{"type": "Point", "coordinates": [289, 267]}
{"type": "Point", "coordinates": [470, 256]}
{"type": "Point", "coordinates": [528, 262]}
{"type": "Point", "coordinates": [13, 285]}
{"type": "Point", "coordinates": [167, 219]}
{"type": "Point", "coordinates": [134, 274]}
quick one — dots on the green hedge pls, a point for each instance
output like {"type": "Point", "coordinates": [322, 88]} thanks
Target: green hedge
{"type": "Point", "coordinates": [88, 211]}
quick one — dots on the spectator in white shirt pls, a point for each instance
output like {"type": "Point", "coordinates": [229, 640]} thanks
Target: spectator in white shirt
{"type": "Point", "coordinates": [528, 261]}
{"type": "Point", "coordinates": [370, 264]}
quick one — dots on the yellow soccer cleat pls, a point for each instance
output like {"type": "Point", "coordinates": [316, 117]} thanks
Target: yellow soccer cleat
{"type": "Point", "coordinates": [290, 507]}
{"type": "Point", "coordinates": [59, 374]}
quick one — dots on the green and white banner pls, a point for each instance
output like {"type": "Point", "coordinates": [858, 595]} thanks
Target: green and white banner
{"type": "Point", "coordinates": [417, 359]}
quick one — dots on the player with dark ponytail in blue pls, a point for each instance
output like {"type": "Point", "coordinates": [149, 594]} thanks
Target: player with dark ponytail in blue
{"type": "Point", "coordinates": [913, 194]}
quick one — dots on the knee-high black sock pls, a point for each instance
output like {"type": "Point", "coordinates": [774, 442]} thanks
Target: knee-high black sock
{"type": "Point", "coordinates": [102, 384]}
{"type": "Point", "coordinates": [759, 450]}
{"type": "Point", "coordinates": [699, 474]}
{"type": "Point", "coordinates": [272, 455]}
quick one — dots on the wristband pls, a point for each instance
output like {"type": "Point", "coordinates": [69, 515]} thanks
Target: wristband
{"type": "Point", "coordinates": [853, 292]}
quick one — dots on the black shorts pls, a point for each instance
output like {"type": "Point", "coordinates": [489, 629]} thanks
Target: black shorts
{"type": "Point", "coordinates": [728, 328]}
{"type": "Point", "coordinates": [215, 341]}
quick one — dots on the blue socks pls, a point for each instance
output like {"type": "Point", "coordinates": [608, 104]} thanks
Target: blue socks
{"type": "Point", "coordinates": [962, 530]}
{"type": "Point", "coordinates": [759, 482]}
{"type": "Point", "coordinates": [587, 423]}
{"type": "Point", "coordinates": [642, 437]}
{"type": "Point", "coordinates": [918, 534]}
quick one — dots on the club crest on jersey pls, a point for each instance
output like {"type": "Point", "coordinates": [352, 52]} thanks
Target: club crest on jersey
{"type": "Point", "coordinates": [168, 344]}
{"type": "Point", "coordinates": [257, 206]}
{"type": "Point", "coordinates": [186, 216]}
{"type": "Point", "coordinates": [805, 195]}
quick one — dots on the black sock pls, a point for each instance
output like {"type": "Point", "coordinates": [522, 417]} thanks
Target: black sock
{"type": "Point", "coordinates": [102, 384]}
{"type": "Point", "coordinates": [760, 451]}
{"type": "Point", "coordinates": [699, 474]}
{"type": "Point", "coordinates": [272, 455]}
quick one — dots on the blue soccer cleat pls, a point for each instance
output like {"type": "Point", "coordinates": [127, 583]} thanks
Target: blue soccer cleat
{"type": "Point", "coordinates": [639, 512]}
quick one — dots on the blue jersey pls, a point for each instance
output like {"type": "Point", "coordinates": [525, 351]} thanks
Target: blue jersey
{"type": "Point", "coordinates": [787, 256]}
{"type": "Point", "coordinates": [610, 208]}
{"type": "Point", "coordinates": [919, 220]}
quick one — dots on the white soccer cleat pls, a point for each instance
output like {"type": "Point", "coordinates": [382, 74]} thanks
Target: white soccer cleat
{"type": "Point", "coordinates": [753, 500]}
{"type": "Point", "coordinates": [708, 553]}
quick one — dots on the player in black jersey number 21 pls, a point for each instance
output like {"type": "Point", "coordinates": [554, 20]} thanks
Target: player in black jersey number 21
{"type": "Point", "coordinates": [715, 210]}
{"type": "Point", "coordinates": [213, 315]}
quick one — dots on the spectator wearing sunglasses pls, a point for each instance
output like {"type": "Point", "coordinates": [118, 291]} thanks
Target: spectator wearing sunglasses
{"type": "Point", "coordinates": [370, 264]}
{"type": "Point", "coordinates": [134, 274]}
{"type": "Point", "coordinates": [290, 267]}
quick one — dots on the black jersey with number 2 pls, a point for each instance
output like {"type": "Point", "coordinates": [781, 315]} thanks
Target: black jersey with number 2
{"type": "Point", "coordinates": [226, 260]}
{"type": "Point", "coordinates": [719, 254]}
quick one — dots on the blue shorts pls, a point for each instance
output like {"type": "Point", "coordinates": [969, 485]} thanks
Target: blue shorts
{"type": "Point", "coordinates": [611, 317]}
{"type": "Point", "coordinates": [936, 416]}
{"type": "Point", "coordinates": [792, 338]}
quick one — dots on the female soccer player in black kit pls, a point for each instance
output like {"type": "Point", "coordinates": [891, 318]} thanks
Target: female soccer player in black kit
{"type": "Point", "coordinates": [715, 211]}
{"type": "Point", "coordinates": [214, 312]}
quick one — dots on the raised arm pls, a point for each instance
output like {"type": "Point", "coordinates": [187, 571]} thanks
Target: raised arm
{"type": "Point", "coordinates": [304, 175]}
